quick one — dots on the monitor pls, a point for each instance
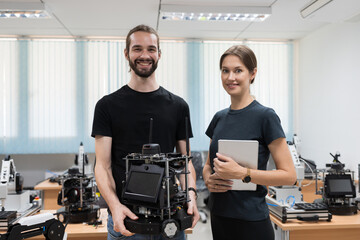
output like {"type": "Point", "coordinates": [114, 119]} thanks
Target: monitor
{"type": "Point", "coordinates": [339, 186]}
{"type": "Point", "coordinates": [143, 183]}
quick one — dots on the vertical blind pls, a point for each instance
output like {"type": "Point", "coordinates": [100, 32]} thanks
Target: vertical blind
{"type": "Point", "coordinates": [9, 92]}
{"type": "Point", "coordinates": [105, 71]}
{"type": "Point", "coordinates": [49, 88]}
{"type": "Point", "coordinates": [272, 86]}
{"type": "Point", "coordinates": [171, 73]}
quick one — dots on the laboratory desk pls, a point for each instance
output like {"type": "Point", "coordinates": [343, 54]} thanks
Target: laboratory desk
{"type": "Point", "coordinates": [81, 231]}
{"type": "Point", "coordinates": [50, 194]}
{"type": "Point", "coordinates": [340, 227]}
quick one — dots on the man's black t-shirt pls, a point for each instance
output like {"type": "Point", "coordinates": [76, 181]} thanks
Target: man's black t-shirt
{"type": "Point", "coordinates": [125, 117]}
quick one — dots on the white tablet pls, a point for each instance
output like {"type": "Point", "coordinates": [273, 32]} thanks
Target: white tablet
{"type": "Point", "coordinates": [245, 153]}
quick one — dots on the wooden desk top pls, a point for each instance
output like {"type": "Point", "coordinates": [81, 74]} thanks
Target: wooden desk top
{"type": "Point", "coordinates": [337, 222]}
{"type": "Point", "coordinates": [47, 185]}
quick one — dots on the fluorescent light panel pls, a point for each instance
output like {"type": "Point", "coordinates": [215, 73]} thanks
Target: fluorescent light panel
{"type": "Point", "coordinates": [214, 13]}
{"type": "Point", "coordinates": [313, 7]}
{"type": "Point", "coordinates": [23, 10]}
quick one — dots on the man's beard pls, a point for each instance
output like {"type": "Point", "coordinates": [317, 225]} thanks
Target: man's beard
{"type": "Point", "coordinates": [143, 74]}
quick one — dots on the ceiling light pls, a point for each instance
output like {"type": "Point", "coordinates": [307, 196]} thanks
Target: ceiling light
{"type": "Point", "coordinates": [213, 13]}
{"type": "Point", "coordinates": [312, 7]}
{"type": "Point", "coordinates": [23, 10]}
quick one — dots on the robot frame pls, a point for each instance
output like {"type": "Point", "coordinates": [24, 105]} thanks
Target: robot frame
{"type": "Point", "coordinates": [158, 202]}
{"type": "Point", "coordinates": [152, 192]}
{"type": "Point", "coordinates": [78, 198]}
{"type": "Point", "coordinates": [78, 193]}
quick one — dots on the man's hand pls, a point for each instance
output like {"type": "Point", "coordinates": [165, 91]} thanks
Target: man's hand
{"type": "Point", "coordinates": [227, 168]}
{"type": "Point", "coordinates": [215, 184]}
{"type": "Point", "coordinates": [118, 217]}
{"type": "Point", "coordinates": [192, 208]}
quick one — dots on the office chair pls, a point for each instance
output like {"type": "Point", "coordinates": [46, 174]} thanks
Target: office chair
{"type": "Point", "coordinates": [198, 161]}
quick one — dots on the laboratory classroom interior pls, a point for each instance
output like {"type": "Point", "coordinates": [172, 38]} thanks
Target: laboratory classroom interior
{"type": "Point", "coordinates": [54, 68]}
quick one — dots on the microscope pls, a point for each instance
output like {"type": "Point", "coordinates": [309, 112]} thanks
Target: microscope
{"type": "Point", "coordinates": [339, 189]}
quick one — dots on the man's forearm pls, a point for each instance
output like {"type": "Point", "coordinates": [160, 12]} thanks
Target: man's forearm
{"type": "Point", "coordinates": [193, 175]}
{"type": "Point", "coordinates": [191, 180]}
{"type": "Point", "coordinates": [106, 185]}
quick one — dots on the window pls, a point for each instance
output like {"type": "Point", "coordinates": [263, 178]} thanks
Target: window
{"type": "Point", "coordinates": [49, 88]}
{"type": "Point", "coordinates": [9, 92]}
{"type": "Point", "coordinates": [172, 68]}
{"type": "Point", "coordinates": [272, 85]}
{"type": "Point", "coordinates": [52, 89]}
{"type": "Point", "coordinates": [106, 70]}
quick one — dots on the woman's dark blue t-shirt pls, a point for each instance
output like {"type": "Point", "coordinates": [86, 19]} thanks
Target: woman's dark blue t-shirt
{"type": "Point", "coordinates": [254, 122]}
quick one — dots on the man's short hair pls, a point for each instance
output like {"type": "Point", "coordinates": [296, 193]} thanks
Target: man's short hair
{"type": "Point", "coordinates": [141, 28]}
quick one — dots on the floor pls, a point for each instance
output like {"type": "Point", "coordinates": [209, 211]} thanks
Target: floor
{"type": "Point", "coordinates": [202, 230]}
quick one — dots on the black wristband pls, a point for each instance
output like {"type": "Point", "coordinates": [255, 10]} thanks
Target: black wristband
{"type": "Point", "coordinates": [194, 190]}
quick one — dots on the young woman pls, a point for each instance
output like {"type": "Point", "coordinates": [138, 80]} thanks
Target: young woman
{"type": "Point", "coordinates": [244, 214]}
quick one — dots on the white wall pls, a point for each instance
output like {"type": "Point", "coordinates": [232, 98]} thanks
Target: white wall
{"type": "Point", "coordinates": [328, 109]}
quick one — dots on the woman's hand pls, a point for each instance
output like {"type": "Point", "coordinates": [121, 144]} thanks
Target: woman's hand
{"type": "Point", "coordinates": [215, 184]}
{"type": "Point", "coordinates": [227, 168]}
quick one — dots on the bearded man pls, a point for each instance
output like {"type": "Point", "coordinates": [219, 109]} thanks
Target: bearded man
{"type": "Point", "coordinates": [121, 126]}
